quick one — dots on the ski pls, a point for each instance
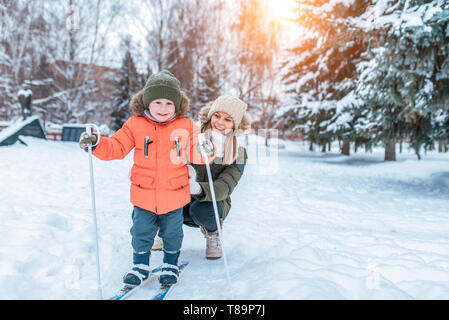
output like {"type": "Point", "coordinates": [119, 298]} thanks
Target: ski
{"type": "Point", "coordinates": [127, 291]}
{"type": "Point", "coordinates": [163, 291]}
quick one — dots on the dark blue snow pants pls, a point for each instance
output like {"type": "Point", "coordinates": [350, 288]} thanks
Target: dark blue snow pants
{"type": "Point", "coordinates": [144, 229]}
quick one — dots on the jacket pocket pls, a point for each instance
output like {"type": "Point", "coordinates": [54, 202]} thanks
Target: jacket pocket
{"type": "Point", "coordinates": [179, 182]}
{"type": "Point", "coordinates": [142, 181]}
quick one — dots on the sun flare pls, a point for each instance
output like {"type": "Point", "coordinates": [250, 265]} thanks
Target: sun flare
{"type": "Point", "coordinates": [281, 9]}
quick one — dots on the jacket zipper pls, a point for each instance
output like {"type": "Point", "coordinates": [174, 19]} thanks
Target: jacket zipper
{"type": "Point", "coordinates": [177, 146]}
{"type": "Point", "coordinates": [155, 131]}
{"type": "Point", "coordinates": [147, 142]}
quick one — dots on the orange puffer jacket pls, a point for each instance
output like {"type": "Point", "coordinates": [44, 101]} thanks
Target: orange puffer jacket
{"type": "Point", "coordinates": [159, 176]}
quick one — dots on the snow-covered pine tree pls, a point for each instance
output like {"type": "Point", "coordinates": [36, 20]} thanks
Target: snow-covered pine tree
{"type": "Point", "coordinates": [441, 125]}
{"type": "Point", "coordinates": [126, 84]}
{"type": "Point", "coordinates": [440, 118]}
{"type": "Point", "coordinates": [404, 78]}
{"type": "Point", "coordinates": [321, 75]}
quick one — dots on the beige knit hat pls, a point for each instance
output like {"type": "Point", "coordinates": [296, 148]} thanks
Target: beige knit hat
{"type": "Point", "coordinates": [233, 106]}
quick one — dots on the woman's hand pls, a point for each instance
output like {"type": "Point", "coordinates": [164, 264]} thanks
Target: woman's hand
{"type": "Point", "coordinates": [195, 187]}
{"type": "Point", "coordinates": [207, 146]}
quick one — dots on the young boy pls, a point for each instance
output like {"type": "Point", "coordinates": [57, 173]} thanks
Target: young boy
{"type": "Point", "coordinates": [164, 140]}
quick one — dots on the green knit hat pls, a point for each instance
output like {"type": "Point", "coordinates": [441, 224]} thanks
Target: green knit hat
{"type": "Point", "coordinates": [162, 85]}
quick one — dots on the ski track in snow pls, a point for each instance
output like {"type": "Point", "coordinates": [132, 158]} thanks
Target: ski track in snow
{"type": "Point", "coordinates": [324, 226]}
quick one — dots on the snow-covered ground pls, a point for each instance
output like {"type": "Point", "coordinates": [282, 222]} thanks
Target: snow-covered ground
{"type": "Point", "coordinates": [313, 226]}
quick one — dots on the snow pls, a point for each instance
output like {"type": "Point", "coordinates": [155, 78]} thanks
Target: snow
{"type": "Point", "coordinates": [13, 128]}
{"type": "Point", "coordinates": [314, 226]}
{"type": "Point", "coordinates": [25, 93]}
{"type": "Point", "coordinates": [327, 7]}
{"type": "Point", "coordinates": [384, 13]}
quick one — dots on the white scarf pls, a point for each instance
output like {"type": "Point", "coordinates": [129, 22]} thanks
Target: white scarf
{"type": "Point", "coordinates": [219, 140]}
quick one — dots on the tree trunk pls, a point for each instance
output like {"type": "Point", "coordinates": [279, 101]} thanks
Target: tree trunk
{"type": "Point", "coordinates": [390, 151]}
{"type": "Point", "coordinates": [417, 147]}
{"type": "Point", "coordinates": [418, 155]}
{"type": "Point", "coordinates": [311, 146]}
{"type": "Point", "coordinates": [323, 148]}
{"type": "Point", "coordinates": [345, 148]}
{"type": "Point", "coordinates": [440, 146]}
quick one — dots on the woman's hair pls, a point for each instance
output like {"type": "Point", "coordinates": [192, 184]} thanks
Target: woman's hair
{"type": "Point", "coordinates": [231, 145]}
{"type": "Point", "coordinates": [138, 108]}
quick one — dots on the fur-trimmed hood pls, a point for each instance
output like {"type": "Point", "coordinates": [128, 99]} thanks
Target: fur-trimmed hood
{"type": "Point", "coordinates": [137, 107]}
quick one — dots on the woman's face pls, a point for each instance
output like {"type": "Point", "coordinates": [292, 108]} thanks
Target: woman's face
{"type": "Point", "coordinates": [222, 122]}
{"type": "Point", "coordinates": [162, 109]}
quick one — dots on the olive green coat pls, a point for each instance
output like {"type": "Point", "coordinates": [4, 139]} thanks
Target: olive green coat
{"type": "Point", "coordinates": [225, 177]}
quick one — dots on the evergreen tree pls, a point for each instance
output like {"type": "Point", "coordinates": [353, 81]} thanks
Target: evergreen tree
{"type": "Point", "coordinates": [321, 76]}
{"type": "Point", "coordinates": [441, 125]}
{"type": "Point", "coordinates": [127, 84]}
{"type": "Point", "coordinates": [406, 70]}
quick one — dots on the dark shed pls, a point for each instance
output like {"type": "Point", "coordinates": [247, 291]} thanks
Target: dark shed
{"type": "Point", "coordinates": [72, 132]}
{"type": "Point", "coordinates": [30, 127]}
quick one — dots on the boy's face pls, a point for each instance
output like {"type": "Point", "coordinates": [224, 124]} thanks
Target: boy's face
{"type": "Point", "coordinates": [161, 109]}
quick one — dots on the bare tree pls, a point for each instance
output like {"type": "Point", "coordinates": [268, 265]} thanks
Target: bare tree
{"type": "Point", "coordinates": [185, 37]}
{"type": "Point", "coordinates": [256, 52]}
{"type": "Point", "coordinates": [16, 50]}
{"type": "Point", "coordinates": [51, 47]}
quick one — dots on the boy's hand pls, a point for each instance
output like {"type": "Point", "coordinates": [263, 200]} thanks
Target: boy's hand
{"type": "Point", "coordinates": [87, 140]}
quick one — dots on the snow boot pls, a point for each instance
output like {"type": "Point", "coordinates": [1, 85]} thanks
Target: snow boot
{"type": "Point", "coordinates": [213, 245]}
{"type": "Point", "coordinates": [140, 270]}
{"type": "Point", "coordinates": [170, 271]}
{"type": "Point", "coordinates": [158, 243]}
{"type": "Point", "coordinates": [169, 274]}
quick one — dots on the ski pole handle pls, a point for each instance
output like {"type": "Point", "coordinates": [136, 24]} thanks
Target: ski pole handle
{"type": "Point", "coordinates": [90, 129]}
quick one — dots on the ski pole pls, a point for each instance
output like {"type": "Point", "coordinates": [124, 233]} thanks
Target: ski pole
{"type": "Point", "coordinates": [201, 139]}
{"type": "Point", "coordinates": [89, 128]}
